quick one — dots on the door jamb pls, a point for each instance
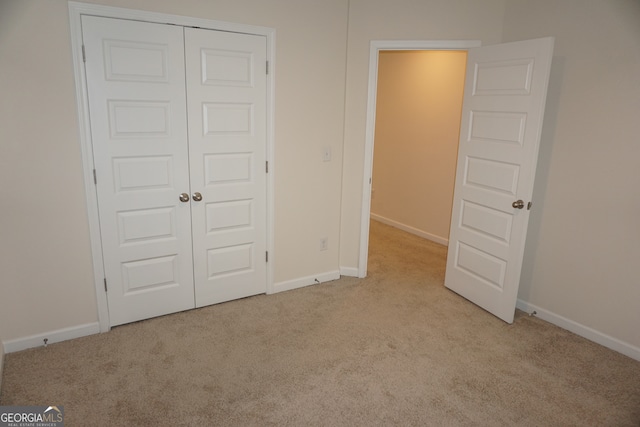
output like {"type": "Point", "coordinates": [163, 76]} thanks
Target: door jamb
{"type": "Point", "coordinates": [76, 10]}
{"type": "Point", "coordinates": [375, 47]}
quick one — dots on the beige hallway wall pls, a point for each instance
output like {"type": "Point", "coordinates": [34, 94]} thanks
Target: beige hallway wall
{"type": "Point", "coordinates": [419, 102]}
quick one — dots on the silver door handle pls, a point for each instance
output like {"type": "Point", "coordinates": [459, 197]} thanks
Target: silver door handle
{"type": "Point", "coordinates": [184, 197]}
{"type": "Point", "coordinates": [518, 204]}
{"type": "Point", "coordinates": [196, 197]}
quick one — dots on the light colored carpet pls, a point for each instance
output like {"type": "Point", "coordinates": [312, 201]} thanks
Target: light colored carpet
{"type": "Point", "coordinates": [396, 348]}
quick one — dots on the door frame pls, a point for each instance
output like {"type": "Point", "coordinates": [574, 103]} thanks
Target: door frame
{"type": "Point", "coordinates": [76, 10]}
{"type": "Point", "coordinates": [375, 47]}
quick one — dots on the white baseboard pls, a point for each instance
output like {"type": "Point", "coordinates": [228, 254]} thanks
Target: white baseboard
{"type": "Point", "coordinates": [409, 229]}
{"type": "Point", "coordinates": [306, 281]}
{"type": "Point", "coordinates": [349, 271]}
{"type": "Point", "coordinates": [59, 335]}
{"type": "Point", "coordinates": [582, 330]}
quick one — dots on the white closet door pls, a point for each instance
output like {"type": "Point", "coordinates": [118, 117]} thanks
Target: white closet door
{"type": "Point", "coordinates": [226, 93]}
{"type": "Point", "coordinates": [136, 79]}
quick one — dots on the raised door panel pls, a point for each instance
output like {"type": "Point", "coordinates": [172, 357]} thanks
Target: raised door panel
{"type": "Point", "coordinates": [136, 79]}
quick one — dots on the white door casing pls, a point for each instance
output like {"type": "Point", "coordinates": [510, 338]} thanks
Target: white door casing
{"type": "Point", "coordinates": [135, 78]}
{"type": "Point", "coordinates": [503, 108]}
{"type": "Point", "coordinates": [226, 95]}
{"type": "Point", "coordinates": [135, 74]}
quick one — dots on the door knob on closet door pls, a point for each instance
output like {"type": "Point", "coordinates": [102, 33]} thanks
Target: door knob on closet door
{"type": "Point", "coordinates": [518, 204]}
{"type": "Point", "coordinates": [196, 197]}
{"type": "Point", "coordinates": [184, 197]}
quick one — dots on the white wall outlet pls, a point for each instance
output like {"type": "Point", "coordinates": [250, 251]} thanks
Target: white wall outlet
{"type": "Point", "coordinates": [324, 243]}
{"type": "Point", "coordinates": [326, 154]}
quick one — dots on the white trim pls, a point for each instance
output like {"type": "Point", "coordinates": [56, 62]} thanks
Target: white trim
{"type": "Point", "coordinates": [349, 271]}
{"type": "Point", "coordinates": [306, 281]}
{"type": "Point", "coordinates": [87, 163]}
{"type": "Point", "coordinates": [412, 230]}
{"type": "Point", "coordinates": [59, 335]}
{"type": "Point", "coordinates": [76, 10]}
{"type": "Point", "coordinates": [375, 47]}
{"type": "Point", "coordinates": [582, 330]}
{"type": "Point", "coordinates": [270, 155]}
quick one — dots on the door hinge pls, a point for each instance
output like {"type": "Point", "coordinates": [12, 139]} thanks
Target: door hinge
{"type": "Point", "coordinates": [84, 56]}
{"type": "Point", "coordinates": [105, 284]}
{"type": "Point", "coordinates": [266, 256]}
{"type": "Point", "coordinates": [266, 165]}
{"type": "Point", "coordinates": [267, 68]}
{"type": "Point", "coordinates": [95, 177]}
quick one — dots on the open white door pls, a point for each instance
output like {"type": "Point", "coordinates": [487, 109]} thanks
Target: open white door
{"type": "Point", "coordinates": [503, 108]}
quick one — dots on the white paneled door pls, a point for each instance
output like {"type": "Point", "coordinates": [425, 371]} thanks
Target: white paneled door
{"type": "Point", "coordinates": [180, 181]}
{"type": "Point", "coordinates": [503, 108]}
{"type": "Point", "coordinates": [226, 96]}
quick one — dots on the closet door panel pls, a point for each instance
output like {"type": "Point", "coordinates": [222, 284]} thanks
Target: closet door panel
{"type": "Point", "coordinates": [136, 78]}
{"type": "Point", "coordinates": [226, 95]}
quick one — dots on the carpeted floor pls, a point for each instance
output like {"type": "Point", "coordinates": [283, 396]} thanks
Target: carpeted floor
{"type": "Point", "coordinates": [396, 348]}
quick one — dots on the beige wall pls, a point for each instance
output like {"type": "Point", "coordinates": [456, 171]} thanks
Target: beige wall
{"type": "Point", "coordinates": [419, 102]}
{"type": "Point", "coordinates": [46, 281]}
{"type": "Point", "coordinates": [395, 20]}
{"type": "Point", "coordinates": [582, 246]}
